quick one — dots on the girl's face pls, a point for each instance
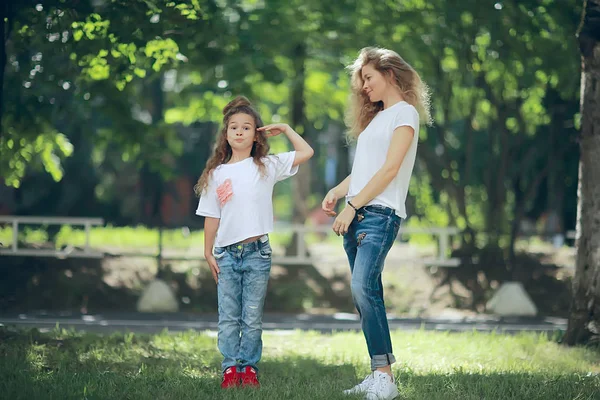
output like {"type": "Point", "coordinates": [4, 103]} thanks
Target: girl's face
{"type": "Point", "coordinates": [375, 83]}
{"type": "Point", "coordinates": [241, 131]}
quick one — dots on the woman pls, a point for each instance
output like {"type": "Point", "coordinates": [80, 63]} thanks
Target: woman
{"type": "Point", "coordinates": [388, 102]}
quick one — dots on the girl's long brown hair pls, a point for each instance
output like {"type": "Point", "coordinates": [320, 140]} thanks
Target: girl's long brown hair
{"type": "Point", "coordinates": [406, 79]}
{"type": "Point", "coordinates": [222, 151]}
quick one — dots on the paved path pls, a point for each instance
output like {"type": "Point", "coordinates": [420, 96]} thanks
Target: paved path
{"type": "Point", "coordinates": [152, 323]}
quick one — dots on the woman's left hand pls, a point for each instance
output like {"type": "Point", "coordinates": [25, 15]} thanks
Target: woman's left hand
{"type": "Point", "coordinates": [343, 221]}
{"type": "Point", "coordinates": [274, 129]}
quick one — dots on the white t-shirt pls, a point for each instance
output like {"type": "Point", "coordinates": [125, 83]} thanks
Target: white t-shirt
{"type": "Point", "coordinates": [371, 153]}
{"type": "Point", "coordinates": [242, 198]}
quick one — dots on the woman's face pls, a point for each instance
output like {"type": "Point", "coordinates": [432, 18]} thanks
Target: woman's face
{"type": "Point", "coordinates": [375, 83]}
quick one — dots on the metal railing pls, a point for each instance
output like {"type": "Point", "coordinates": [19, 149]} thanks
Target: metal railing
{"type": "Point", "coordinates": [301, 258]}
{"type": "Point", "coordinates": [69, 251]}
{"type": "Point", "coordinates": [441, 260]}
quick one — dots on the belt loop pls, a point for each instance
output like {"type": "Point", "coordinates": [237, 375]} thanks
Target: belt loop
{"type": "Point", "coordinates": [261, 242]}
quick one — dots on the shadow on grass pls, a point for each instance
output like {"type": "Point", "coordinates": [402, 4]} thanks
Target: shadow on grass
{"type": "Point", "coordinates": [70, 365]}
{"type": "Point", "coordinates": [65, 365]}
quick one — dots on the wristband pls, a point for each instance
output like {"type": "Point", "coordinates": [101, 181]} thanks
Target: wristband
{"type": "Point", "coordinates": [352, 205]}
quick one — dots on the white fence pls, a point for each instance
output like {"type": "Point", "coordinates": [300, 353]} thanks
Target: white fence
{"type": "Point", "coordinates": [302, 258]}
{"type": "Point", "coordinates": [69, 251]}
{"type": "Point", "coordinates": [441, 259]}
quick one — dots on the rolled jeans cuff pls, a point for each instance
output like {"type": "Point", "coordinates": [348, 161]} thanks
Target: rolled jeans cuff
{"type": "Point", "coordinates": [382, 360]}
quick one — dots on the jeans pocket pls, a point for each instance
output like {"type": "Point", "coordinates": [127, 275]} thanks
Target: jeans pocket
{"type": "Point", "coordinates": [265, 251]}
{"type": "Point", "coordinates": [219, 252]}
{"type": "Point", "coordinates": [397, 225]}
{"type": "Point", "coordinates": [397, 222]}
{"type": "Point", "coordinates": [376, 212]}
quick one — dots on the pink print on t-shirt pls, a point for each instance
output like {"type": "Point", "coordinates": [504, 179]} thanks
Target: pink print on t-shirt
{"type": "Point", "coordinates": [225, 192]}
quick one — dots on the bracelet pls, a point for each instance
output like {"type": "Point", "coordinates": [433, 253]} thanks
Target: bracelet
{"type": "Point", "coordinates": [352, 205]}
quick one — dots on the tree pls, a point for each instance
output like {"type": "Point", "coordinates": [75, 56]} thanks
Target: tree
{"type": "Point", "coordinates": [54, 55]}
{"type": "Point", "coordinates": [500, 112]}
{"type": "Point", "coordinates": [584, 318]}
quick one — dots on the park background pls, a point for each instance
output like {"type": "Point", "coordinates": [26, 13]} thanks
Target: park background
{"type": "Point", "coordinates": [110, 109]}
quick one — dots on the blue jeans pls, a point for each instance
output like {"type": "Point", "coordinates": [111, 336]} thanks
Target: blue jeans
{"type": "Point", "coordinates": [242, 289]}
{"type": "Point", "coordinates": [368, 241]}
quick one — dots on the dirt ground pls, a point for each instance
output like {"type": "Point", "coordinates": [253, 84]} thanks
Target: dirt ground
{"type": "Point", "coordinates": [410, 287]}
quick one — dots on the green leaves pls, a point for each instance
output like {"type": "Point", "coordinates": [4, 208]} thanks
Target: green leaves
{"type": "Point", "coordinates": [95, 66]}
{"type": "Point", "coordinates": [163, 51]}
{"type": "Point", "coordinates": [493, 69]}
{"type": "Point", "coordinates": [68, 48]}
{"type": "Point", "coordinates": [45, 151]}
{"type": "Point", "coordinates": [92, 28]}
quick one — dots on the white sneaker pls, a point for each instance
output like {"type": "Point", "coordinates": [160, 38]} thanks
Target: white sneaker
{"type": "Point", "coordinates": [382, 387]}
{"type": "Point", "coordinates": [362, 387]}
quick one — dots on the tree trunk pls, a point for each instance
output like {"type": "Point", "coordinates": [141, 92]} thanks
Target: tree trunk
{"type": "Point", "coordinates": [584, 316]}
{"type": "Point", "coordinates": [521, 202]}
{"type": "Point", "coordinates": [5, 28]}
{"type": "Point", "coordinates": [301, 182]}
{"type": "Point", "coordinates": [151, 181]}
{"type": "Point", "coordinates": [343, 156]}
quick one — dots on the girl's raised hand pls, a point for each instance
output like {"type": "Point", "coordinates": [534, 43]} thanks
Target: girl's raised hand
{"type": "Point", "coordinates": [274, 129]}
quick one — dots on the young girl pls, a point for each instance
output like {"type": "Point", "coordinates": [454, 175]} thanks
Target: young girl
{"type": "Point", "coordinates": [388, 97]}
{"type": "Point", "coordinates": [236, 190]}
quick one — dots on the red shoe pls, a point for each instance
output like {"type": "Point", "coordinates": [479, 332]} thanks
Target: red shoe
{"type": "Point", "coordinates": [249, 378]}
{"type": "Point", "coordinates": [231, 378]}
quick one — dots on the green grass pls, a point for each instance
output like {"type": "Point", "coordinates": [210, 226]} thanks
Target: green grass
{"type": "Point", "coordinates": [143, 237]}
{"type": "Point", "coordinates": [132, 237]}
{"type": "Point", "coordinates": [140, 237]}
{"type": "Point", "coordinates": [124, 237]}
{"type": "Point", "coordinates": [299, 365]}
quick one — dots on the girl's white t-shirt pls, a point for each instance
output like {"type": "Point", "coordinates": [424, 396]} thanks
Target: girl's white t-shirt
{"type": "Point", "coordinates": [371, 153]}
{"type": "Point", "coordinates": [242, 198]}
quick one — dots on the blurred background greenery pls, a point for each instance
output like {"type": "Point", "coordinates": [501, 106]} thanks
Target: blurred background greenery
{"type": "Point", "coordinates": [110, 108]}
